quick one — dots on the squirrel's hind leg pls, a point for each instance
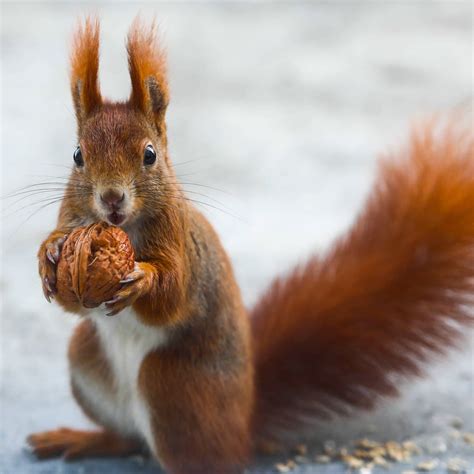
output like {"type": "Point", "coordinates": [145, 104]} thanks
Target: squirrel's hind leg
{"type": "Point", "coordinates": [76, 444]}
{"type": "Point", "coordinates": [87, 359]}
{"type": "Point", "coordinates": [200, 416]}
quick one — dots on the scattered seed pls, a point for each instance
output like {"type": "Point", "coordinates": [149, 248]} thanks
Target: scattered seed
{"type": "Point", "coordinates": [367, 455]}
{"type": "Point", "coordinates": [395, 452]}
{"type": "Point", "coordinates": [468, 438]}
{"type": "Point", "coordinates": [361, 454]}
{"type": "Point", "coordinates": [285, 467]}
{"type": "Point", "coordinates": [322, 459]}
{"type": "Point", "coordinates": [380, 461]}
{"type": "Point", "coordinates": [367, 444]}
{"type": "Point", "coordinates": [457, 465]}
{"type": "Point", "coordinates": [411, 447]}
{"type": "Point", "coordinates": [426, 466]}
{"type": "Point", "coordinates": [343, 452]}
{"type": "Point", "coordinates": [353, 462]}
{"type": "Point", "coordinates": [370, 454]}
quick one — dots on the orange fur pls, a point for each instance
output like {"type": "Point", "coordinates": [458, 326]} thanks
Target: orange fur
{"type": "Point", "coordinates": [147, 67]}
{"type": "Point", "coordinates": [77, 444]}
{"type": "Point", "coordinates": [85, 69]}
{"type": "Point", "coordinates": [393, 291]}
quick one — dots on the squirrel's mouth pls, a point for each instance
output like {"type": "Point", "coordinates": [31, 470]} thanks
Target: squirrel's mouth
{"type": "Point", "coordinates": [116, 218]}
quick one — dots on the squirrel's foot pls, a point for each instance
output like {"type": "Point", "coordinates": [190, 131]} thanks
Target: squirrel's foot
{"type": "Point", "coordinates": [76, 444]}
{"type": "Point", "coordinates": [48, 259]}
{"type": "Point", "coordinates": [134, 285]}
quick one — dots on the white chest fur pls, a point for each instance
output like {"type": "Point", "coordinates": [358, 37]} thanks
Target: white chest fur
{"type": "Point", "coordinates": [125, 342]}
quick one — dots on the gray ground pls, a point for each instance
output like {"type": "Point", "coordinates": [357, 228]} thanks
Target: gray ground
{"type": "Point", "coordinates": [282, 106]}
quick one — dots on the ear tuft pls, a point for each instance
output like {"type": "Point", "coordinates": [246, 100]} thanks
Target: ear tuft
{"type": "Point", "coordinates": [147, 66]}
{"type": "Point", "coordinates": [85, 68]}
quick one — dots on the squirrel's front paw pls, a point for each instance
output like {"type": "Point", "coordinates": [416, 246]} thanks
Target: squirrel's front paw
{"type": "Point", "coordinates": [134, 285]}
{"type": "Point", "coordinates": [48, 257]}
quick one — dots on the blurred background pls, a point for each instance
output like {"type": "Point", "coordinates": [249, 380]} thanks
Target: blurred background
{"type": "Point", "coordinates": [283, 108]}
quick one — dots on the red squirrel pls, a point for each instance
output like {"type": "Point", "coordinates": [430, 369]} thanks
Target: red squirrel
{"type": "Point", "coordinates": [175, 363]}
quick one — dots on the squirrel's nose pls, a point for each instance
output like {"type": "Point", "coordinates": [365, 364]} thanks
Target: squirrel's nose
{"type": "Point", "coordinates": [112, 197]}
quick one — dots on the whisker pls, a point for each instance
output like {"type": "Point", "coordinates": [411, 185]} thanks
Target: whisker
{"type": "Point", "coordinates": [32, 194]}
{"type": "Point", "coordinates": [45, 185]}
{"type": "Point", "coordinates": [184, 183]}
{"type": "Point", "coordinates": [188, 174]}
{"type": "Point", "coordinates": [62, 196]}
{"type": "Point", "coordinates": [69, 178]}
{"type": "Point", "coordinates": [195, 201]}
{"type": "Point", "coordinates": [59, 165]}
{"type": "Point", "coordinates": [31, 215]}
{"type": "Point", "coordinates": [29, 194]}
{"type": "Point", "coordinates": [206, 196]}
{"type": "Point", "coordinates": [59, 193]}
{"type": "Point", "coordinates": [181, 163]}
{"type": "Point", "coordinates": [179, 183]}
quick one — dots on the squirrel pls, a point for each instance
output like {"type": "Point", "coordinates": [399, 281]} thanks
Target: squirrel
{"type": "Point", "coordinates": [175, 363]}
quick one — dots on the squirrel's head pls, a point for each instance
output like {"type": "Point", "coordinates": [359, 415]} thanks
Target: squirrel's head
{"type": "Point", "coordinates": [121, 166]}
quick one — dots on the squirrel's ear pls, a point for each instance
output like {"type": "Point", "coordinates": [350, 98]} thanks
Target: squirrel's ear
{"type": "Point", "coordinates": [147, 65]}
{"type": "Point", "coordinates": [85, 69]}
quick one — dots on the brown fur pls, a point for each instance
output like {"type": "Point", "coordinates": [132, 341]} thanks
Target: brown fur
{"type": "Point", "coordinates": [392, 292]}
{"type": "Point", "coordinates": [325, 339]}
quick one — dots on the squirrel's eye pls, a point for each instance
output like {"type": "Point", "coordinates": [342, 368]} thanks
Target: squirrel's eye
{"type": "Point", "coordinates": [78, 157]}
{"type": "Point", "coordinates": [150, 155]}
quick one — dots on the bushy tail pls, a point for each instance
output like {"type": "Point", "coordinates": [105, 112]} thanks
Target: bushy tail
{"type": "Point", "coordinates": [396, 289]}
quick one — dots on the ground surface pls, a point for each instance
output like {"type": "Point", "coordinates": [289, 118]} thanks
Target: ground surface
{"type": "Point", "coordinates": [282, 106]}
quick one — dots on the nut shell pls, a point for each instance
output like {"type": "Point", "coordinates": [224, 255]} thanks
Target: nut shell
{"type": "Point", "coordinates": [93, 261]}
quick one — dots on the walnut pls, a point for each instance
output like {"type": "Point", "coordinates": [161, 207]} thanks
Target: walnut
{"type": "Point", "coordinates": [93, 261]}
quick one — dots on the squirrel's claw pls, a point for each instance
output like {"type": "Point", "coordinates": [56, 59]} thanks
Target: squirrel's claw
{"type": "Point", "coordinates": [47, 290]}
{"type": "Point", "coordinates": [125, 297]}
{"type": "Point", "coordinates": [53, 250]}
{"type": "Point", "coordinates": [134, 285]}
{"type": "Point", "coordinates": [48, 259]}
{"type": "Point", "coordinates": [136, 275]}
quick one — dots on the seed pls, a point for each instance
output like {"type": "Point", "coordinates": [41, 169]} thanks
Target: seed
{"type": "Point", "coordinates": [468, 438]}
{"type": "Point", "coordinates": [427, 465]}
{"type": "Point", "coordinates": [456, 465]}
{"type": "Point", "coordinates": [353, 462]}
{"type": "Point", "coordinates": [366, 444]}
